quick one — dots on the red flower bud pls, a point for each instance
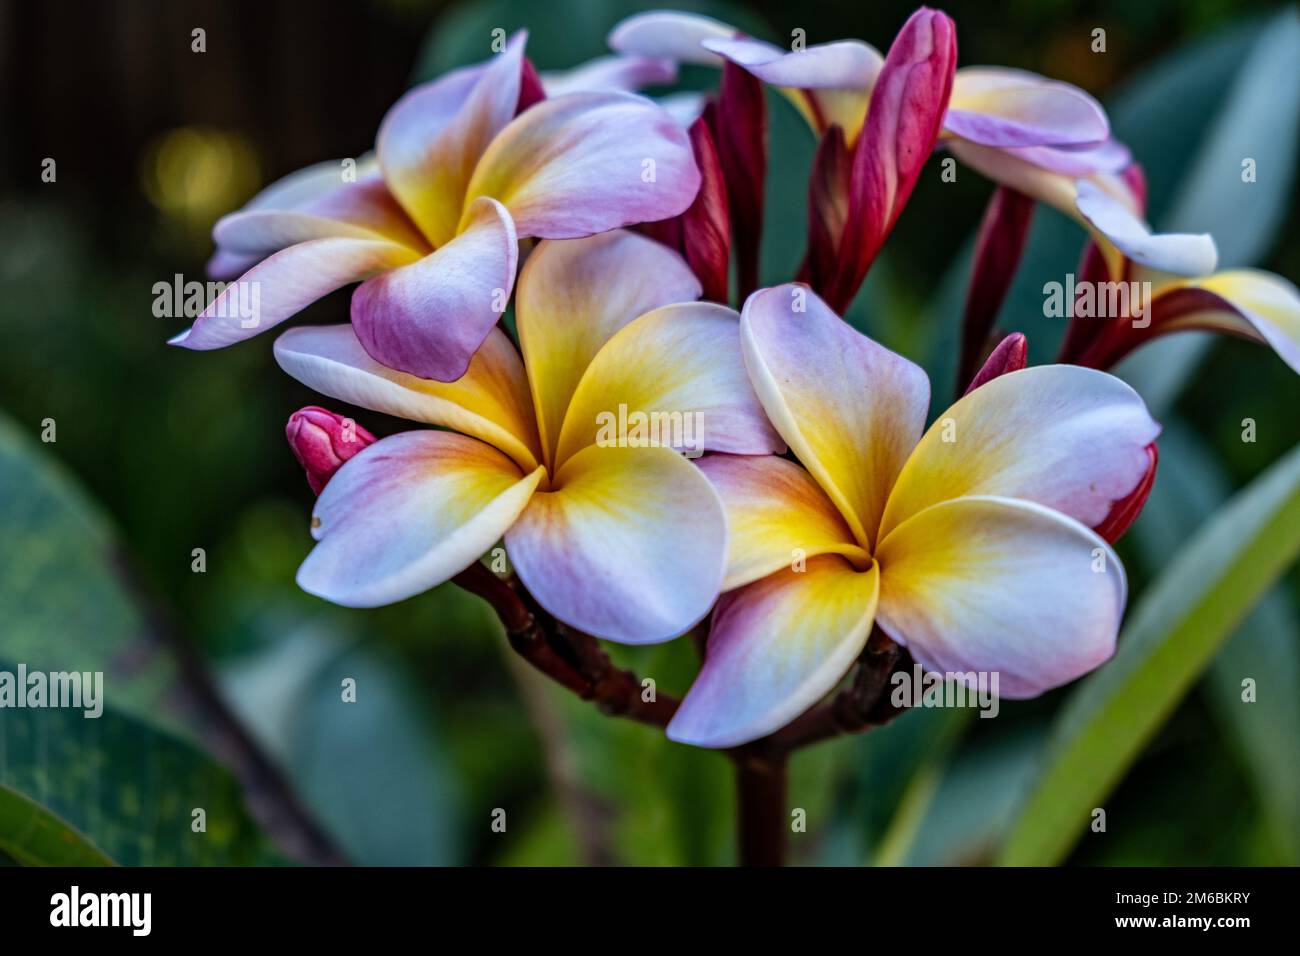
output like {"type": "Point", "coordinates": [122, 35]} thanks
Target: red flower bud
{"type": "Point", "coordinates": [322, 441]}
{"type": "Point", "coordinates": [739, 123]}
{"type": "Point", "coordinates": [998, 248]}
{"type": "Point", "coordinates": [908, 104]}
{"type": "Point", "coordinates": [1011, 355]}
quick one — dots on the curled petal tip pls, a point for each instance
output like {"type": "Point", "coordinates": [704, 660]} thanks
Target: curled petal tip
{"type": "Point", "coordinates": [1125, 511]}
{"type": "Point", "coordinates": [322, 441]}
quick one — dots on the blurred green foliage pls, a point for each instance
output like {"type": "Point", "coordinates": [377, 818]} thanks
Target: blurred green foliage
{"type": "Point", "coordinates": [185, 450]}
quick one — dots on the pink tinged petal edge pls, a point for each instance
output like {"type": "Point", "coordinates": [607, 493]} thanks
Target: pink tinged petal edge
{"type": "Point", "coordinates": [994, 106]}
{"type": "Point", "coordinates": [429, 318]}
{"type": "Point", "coordinates": [631, 546]}
{"type": "Point", "coordinates": [1111, 156]}
{"type": "Point", "coordinates": [284, 284]}
{"type": "Point", "coordinates": [489, 403]}
{"type": "Point", "coordinates": [364, 209]}
{"type": "Point", "coordinates": [1125, 511]}
{"type": "Point", "coordinates": [431, 138]}
{"type": "Point", "coordinates": [1177, 253]}
{"type": "Point", "coordinates": [626, 73]}
{"type": "Point", "coordinates": [1019, 596]}
{"type": "Point", "coordinates": [907, 107]}
{"type": "Point", "coordinates": [671, 35]}
{"type": "Point", "coordinates": [849, 408]}
{"type": "Point", "coordinates": [843, 65]}
{"type": "Point", "coordinates": [585, 163]}
{"type": "Point", "coordinates": [776, 647]}
{"type": "Point", "coordinates": [409, 512]}
{"type": "Point", "coordinates": [322, 441]}
{"type": "Point", "coordinates": [1069, 438]}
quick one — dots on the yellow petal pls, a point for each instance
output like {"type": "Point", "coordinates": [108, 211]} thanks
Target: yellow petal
{"type": "Point", "coordinates": [777, 517]}
{"type": "Point", "coordinates": [573, 295]}
{"type": "Point", "coordinates": [850, 409]}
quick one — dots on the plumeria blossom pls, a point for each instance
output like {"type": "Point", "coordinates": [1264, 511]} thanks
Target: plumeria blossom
{"type": "Point", "coordinates": [621, 540]}
{"type": "Point", "coordinates": [465, 167]}
{"type": "Point", "coordinates": [970, 543]}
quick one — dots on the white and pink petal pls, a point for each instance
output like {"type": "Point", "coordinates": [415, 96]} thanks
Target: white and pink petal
{"type": "Point", "coordinates": [629, 544]}
{"type": "Point", "coordinates": [777, 647]}
{"type": "Point", "coordinates": [408, 513]}
{"type": "Point", "coordinates": [1001, 586]}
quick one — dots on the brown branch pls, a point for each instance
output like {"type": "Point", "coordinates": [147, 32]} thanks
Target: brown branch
{"type": "Point", "coordinates": [863, 704]}
{"type": "Point", "coordinates": [576, 660]}
{"type": "Point", "coordinates": [761, 820]}
{"type": "Point", "coordinates": [569, 657]}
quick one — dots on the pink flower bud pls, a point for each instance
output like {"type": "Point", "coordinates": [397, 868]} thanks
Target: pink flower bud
{"type": "Point", "coordinates": [1011, 355]}
{"type": "Point", "coordinates": [908, 103]}
{"type": "Point", "coordinates": [322, 441]}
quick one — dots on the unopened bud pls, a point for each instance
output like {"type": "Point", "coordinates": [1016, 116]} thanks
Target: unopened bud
{"type": "Point", "coordinates": [322, 441]}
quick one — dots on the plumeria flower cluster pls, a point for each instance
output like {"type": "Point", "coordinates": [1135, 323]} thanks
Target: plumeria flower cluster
{"type": "Point", "coordinates": [826, 507]}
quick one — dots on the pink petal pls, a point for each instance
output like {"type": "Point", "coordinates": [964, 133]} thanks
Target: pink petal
{"type": "Point", "coordinates": [1176, 253]}
{"type": "Point", "coordinates": [626, 73]}
{"type": "Point", "coordinates": [322, 441]}
{"type": "Point", "coordinates": [1069, 438]}
{"type": "Point", "coordinates": [364, 209]}
{"type": "Point", "coordinates": [1001, 586]}
{"type": "Point", "coordinates": [845, 64]}
{"type": "Point", "coordinates": [739, 124]}
{"type": "Point", "coordinates": [670, 35]}
{"type": "Point", "coordinates": [851, 410]}
{"type": "Point", "coordinates": [432, 137]}
{"type": "Point", "coordinates": [586, 163]}
{"type": "Point", "coordinates": [409, 512]}
{"type": "Point", "coordinates": [280, 286]}
{"type": "Point", "coordinates": [429, 318]}
{"type": "Point", "coordinates": [629, 545]}
{"type": "Point", "coordinates": [776, 647]}
{"type": "Point", "coordinates": [1001, 107]}
{"type": "Point", "coordinates": [1011, 355]}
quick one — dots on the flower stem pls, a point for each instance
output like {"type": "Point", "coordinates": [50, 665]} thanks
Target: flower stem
{"type": "Point", "coordinates": [761, 817]}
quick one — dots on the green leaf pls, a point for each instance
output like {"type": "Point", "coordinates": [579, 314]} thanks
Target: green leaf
{"type": "Point", "coordinates": [956, 811]}
{"type": "Point", "coordinates": [371, 769]}
{"type": "Point", "coordinates": [1259, 119]}
{"type": "Point", "coordinates": [1171, 636]}
{"type": "Point", "coordinates": [1190, 486]}
{"type": "Point", "coordinates": [129, 787]}
{"type": "Point", "coordinates": [64, 601]}
{"type": "Point", "coordinates": [33, 836]}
